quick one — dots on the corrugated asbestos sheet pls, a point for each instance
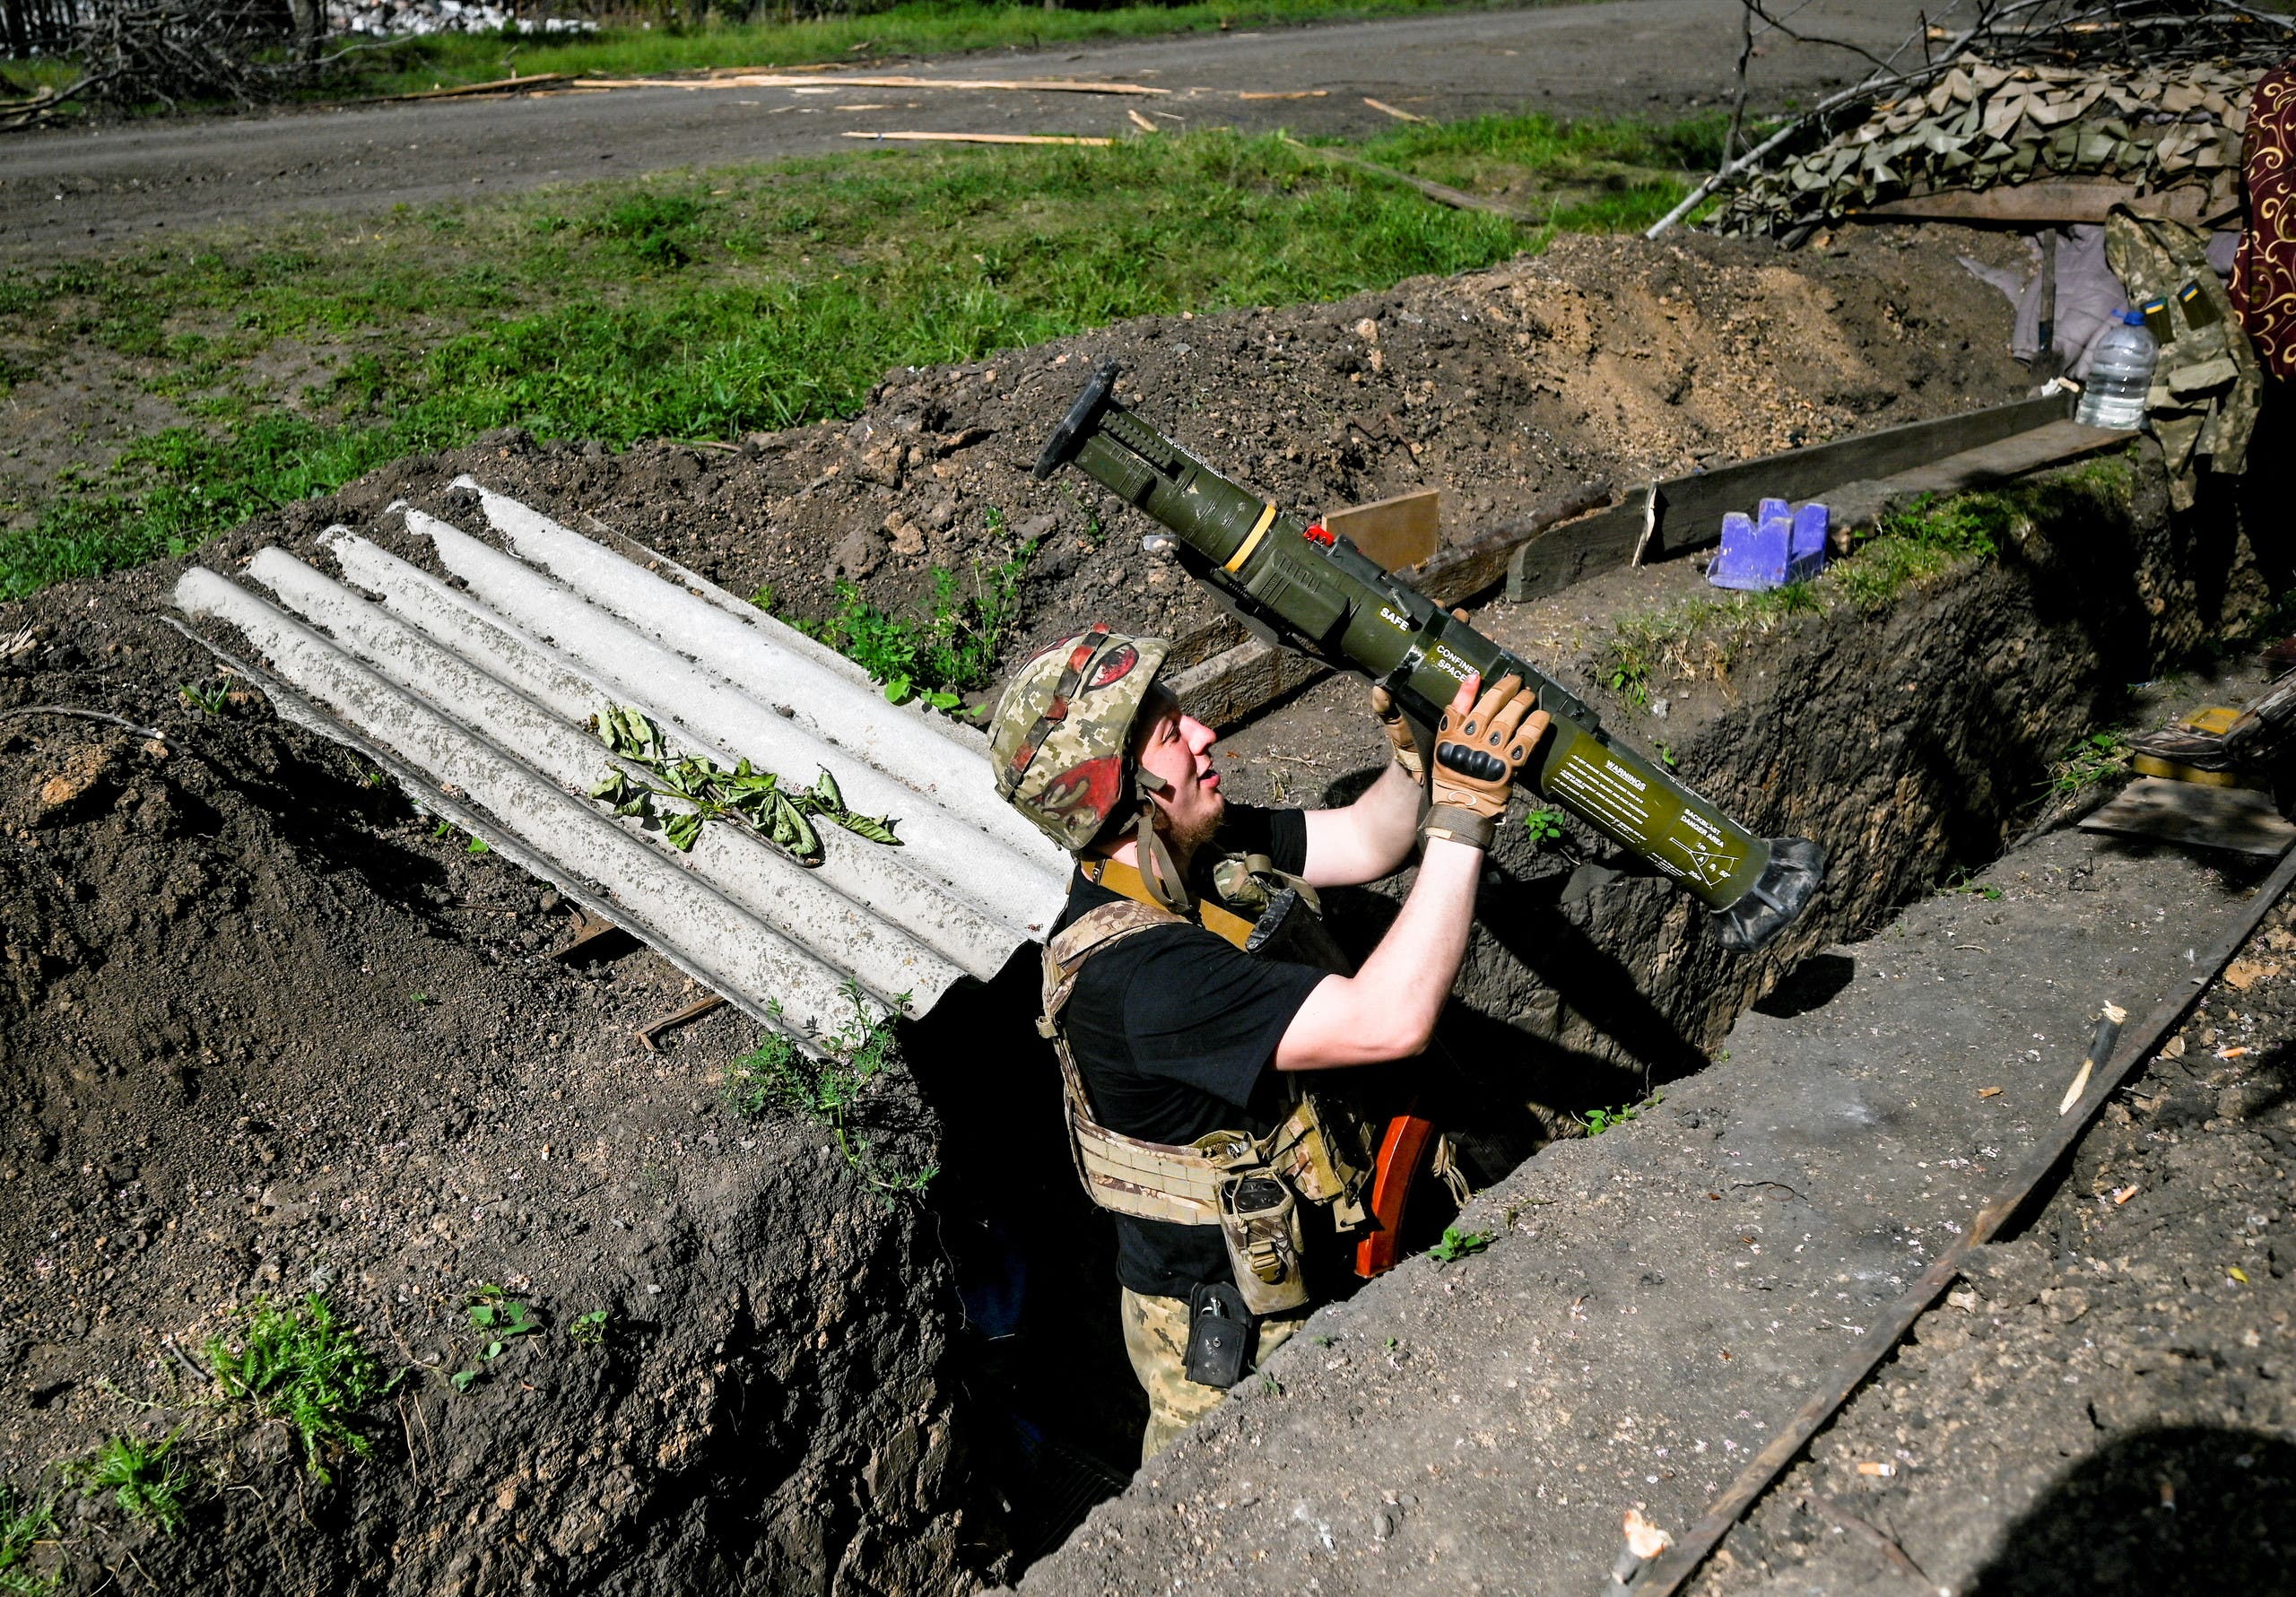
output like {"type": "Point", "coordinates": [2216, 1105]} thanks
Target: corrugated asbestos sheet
{"type": "Point", "coordinates": [477, 695]}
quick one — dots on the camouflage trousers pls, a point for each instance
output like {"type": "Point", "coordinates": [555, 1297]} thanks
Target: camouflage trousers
{"type": "Point", "coordinates": [1155, 1338]}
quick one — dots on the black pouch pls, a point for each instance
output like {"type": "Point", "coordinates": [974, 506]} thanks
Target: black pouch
{"type": "Point", "coordinates": [1219, 1335]}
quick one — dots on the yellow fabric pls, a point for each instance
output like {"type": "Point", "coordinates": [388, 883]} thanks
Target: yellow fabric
{"type": "Point", "coordinates": [1120, 878]}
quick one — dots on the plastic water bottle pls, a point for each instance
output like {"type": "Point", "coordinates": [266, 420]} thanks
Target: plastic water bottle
{"type": "Point", "coordinates": [2120, 376]}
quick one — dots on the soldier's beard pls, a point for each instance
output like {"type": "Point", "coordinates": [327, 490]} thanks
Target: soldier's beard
{"type": "Point", "coordinates": [1184, 837]}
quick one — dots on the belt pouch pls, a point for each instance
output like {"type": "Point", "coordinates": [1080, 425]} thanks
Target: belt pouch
{"type": "Point", "coordinates": [1259, 1221]}
{"type": "Point", "coordinates": [1219, 1335]}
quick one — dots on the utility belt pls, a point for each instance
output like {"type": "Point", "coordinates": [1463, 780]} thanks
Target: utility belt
{"type": "Point", "coordinates": [1251, 1187]}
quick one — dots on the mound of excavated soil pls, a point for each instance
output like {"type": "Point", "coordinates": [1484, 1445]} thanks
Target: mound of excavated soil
{"type": "Point", "coordinates": [1603, 361]}
{"type": "Point", "coordinates": [262, 1029]}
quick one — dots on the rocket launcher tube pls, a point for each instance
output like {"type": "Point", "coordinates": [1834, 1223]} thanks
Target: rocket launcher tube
{"type": "Point", "coordinates": [1298, 585]}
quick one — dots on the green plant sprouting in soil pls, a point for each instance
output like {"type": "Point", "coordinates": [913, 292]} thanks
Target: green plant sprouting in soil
{"type": "Point", "coordinates": [746, 796]}
{"type": "Point", "coordinates": [589, 1329]}
{"type": "Point", "coordinates": [2098, 757]}
{"type": "Point", "coordinates": [499, 1320]}
{"type": "Point", "coordinates": [303, 1368]}
{"type": "Point", "coordinates": [823, 1087]}
{"type": "Point", "coordinates": [1545, 825]}
{"type": "Point", "coordinates": [25, 1522]}
{"type": "Point", "coordinates": [146, 1479]}
{"type": "Point", "coordinates": [1456, 1245]}
{"type": "Point", "coordinates": [210, 698]}
{"type": "Point", "coordinates": [1598, 1121]}
{"type": "Point", "coordinates": [939, 658]}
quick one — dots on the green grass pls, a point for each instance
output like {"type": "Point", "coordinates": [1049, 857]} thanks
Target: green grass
{"type": "Point", "coordinates": [704, 305]}
{"type": "Point", "coordinates": [939, 657]}
{"type": "Point", "coordinates": [917, 28]}
{"type": "Point", "coordinates": [146, 1480]}
{"type": "Point", "coordinates": [25, 1524]}
{"type": "Point", "coordinates": [2098, 757]}
{"type": "Point", "coordinates": [825, 1085]}
{"type": "Point", "coordinates": [303, 1368]}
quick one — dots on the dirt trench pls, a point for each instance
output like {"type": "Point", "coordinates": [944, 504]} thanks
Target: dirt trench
{"type": "Point", "coordinates": [268, 1030]}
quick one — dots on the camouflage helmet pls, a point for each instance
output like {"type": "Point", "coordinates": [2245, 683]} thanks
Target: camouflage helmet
{"type": "Point", "coordinates": [1061, 735]}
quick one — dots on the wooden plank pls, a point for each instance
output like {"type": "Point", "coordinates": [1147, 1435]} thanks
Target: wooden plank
{"type": "Point", "coordinates": [1856, 505]}
{"type": "Point", "coordinates": [1668, 1573]}
{"type": "Point", "coordinates": [2040, 203]}
{"type": "Point", "coordinates": [783, 80]}
{"type": "Point", "coordinates": [1690, 507]}
{"type": "Point", "coordinates": [1460, 573]}
{"type": "Point", "coordinates": [2239, 820]}
{"type": "Point", "coordinates": [975, 138]}
{"type": "Point", "coordinates": [509, 85]}
{"type": "Point", "coordinates": [1399, 532]}
{"type": "Point", "coordinates": [1229, 687]}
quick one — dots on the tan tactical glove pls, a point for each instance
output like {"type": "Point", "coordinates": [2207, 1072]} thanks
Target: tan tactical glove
{"type": "Point", "coordinates": [1399, 735]}
{"type": "Point", "coordinates": [1476, 757]}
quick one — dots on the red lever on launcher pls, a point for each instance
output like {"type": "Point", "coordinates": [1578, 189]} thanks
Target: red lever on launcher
{"type": "Point", "coordinates": [1317, 532]}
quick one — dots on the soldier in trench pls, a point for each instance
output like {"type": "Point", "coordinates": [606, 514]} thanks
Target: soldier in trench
{"type": "Point", "coordinates": [1196, 1005]}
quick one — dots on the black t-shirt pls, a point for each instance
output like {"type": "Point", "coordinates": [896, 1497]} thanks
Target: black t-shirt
{"type": "Point", "coordinates": [1174, 1030]}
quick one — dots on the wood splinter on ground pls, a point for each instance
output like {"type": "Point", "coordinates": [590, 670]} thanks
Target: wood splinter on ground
{"type": "Point", "coordinates": [648, 1033]}
{"type": "Point", "coordinates": [2108, 1021]}
{"type": "Point", "coordinates": [978, 138]}
{"type": "Point", "coordinates": [782, 80]}
{"type": "Point", "coordinates": [587, 929]}
{"type": "Point", "coordinates": [1140, 121]}
{"type": "Point", "coordinates": [1400, 116]}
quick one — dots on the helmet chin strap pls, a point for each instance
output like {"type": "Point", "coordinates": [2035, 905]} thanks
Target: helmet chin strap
{"type": "Point", "coordinates": [1158, 869]}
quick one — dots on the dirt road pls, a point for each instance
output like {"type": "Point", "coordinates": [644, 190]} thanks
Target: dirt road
{"type": "Point", "coordinates": [67, 193]}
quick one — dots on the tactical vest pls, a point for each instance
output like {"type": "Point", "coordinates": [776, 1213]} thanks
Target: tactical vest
{"type": "Point", "coordinates": [1248, 1187]}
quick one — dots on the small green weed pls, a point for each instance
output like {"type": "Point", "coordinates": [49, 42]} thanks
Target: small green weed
{"type": "Point", "coordinates": [25, 1522]}
{"type": "Point", "coordinates": [1974, 524]}
{"type": "Point", "coordinates": [777, 1074]}
{"type": "Point", "coordinates": [304, 1367]}
{"type": "Point", "coordinates": [589, 1329]}
{"type": "Point", "coordinates": [1544, 824]}
{"type": "Point", "coordinates": [444, 829]}
{"type": "Point", "coordinates": [477, 845]}
{"type": "Point", "coordinates": [1984, 889]}
{"type": "Point", "coordinates": [936, 659]}
{"type": "Point", "coordinates": [499, 1320]}
{"type": "Point", "coordinates": [145, 1478]}
{"type": "Point", "coordinates": [745, 795]}
{"type": "Point", "coordinates": [1457, 1245]}
{"type": "Point", "coordinates": [420, 999]}
{"type": "Point", "coordinates": [660, 229]}
{"type": "Point", "coordinates": [2097, 757]}
{"type": "Point", "coordinates": [1598, 1121]}
{"type": "Point", "coordinates": [210, 699]}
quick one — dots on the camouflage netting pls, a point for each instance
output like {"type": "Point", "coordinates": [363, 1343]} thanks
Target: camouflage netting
{"type": "Point", "coordinates": [2156, 128]}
